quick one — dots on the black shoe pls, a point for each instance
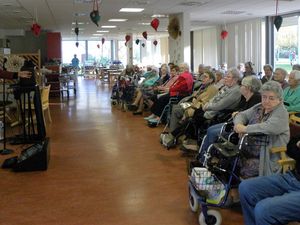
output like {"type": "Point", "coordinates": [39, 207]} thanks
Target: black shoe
{"type": "Point", "coordinates": [137, 113]}
{"type": "Point", "coordinates": [132, 107]}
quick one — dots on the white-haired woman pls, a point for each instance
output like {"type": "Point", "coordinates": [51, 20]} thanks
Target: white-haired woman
{"type": "Point", "coordinates": [291, 94]}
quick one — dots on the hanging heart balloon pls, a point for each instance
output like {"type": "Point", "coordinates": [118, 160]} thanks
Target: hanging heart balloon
{"type": "Point", "coordinates": [98, 46]}
{"type": "Point", "coordinates": [127, 38]}
{"type": "Point", "coordinates": [94, 15]}
{"type": "Point", "coordinates": [77, 44]}
{"type": "Point", "coordinates": [137, 41]}
{"type": "Point", "coordinates": [143, 45]}
{"type": "Point", "coordinates": [102, 40]}
{"type": "Point", "coordinates": [145, 35]}
{"type": "Point", "coordinates": [155, 42]}
{"type": "Point", "coordinates": [277, 22]}
{"type": "Point", "coordinates": [76, 31]}
{"type": "Point", "coordinates": [36, 29]}
{"type": "Point", "coordinates": [155, 23]}
{"type": "Point", "coordinates": [224, 34]}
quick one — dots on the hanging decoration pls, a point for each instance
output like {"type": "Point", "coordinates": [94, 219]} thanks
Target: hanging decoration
{"type": "Point", "coordinates": [35, 27]}
{"type": "Point", "coordinates": [143, 45]}
{"type": "Point", "coordinates": [278, 19]}
{"type": "Point", "coordinates": [102, 40]}
{"type": "Point", "coordinates": [137, 41]}
{"type": "Point", "coordinates": [174, 28]}
{"type": "Point", "coordinates": [127, 38]}
{"type": "Point", "coordinates": [224, 34]}
{"type": "Point", "coordinates": [145, 35]}
{"type": "Point", "coordinates": [77, 44]}
{"type": "Point", "coordinates": [155, 42]}
{"type": "Point", "coordinates": [76, 30]}
{"type": "Point", "coordinates": [155, 23]}
{"type": "Point", "coordinates": [94, 15]}
{"type": "Point", "coordinates": [98, 46]}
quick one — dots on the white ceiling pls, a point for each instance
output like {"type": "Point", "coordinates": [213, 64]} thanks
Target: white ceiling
{"type": "Point", "coordinates": [58, 15]}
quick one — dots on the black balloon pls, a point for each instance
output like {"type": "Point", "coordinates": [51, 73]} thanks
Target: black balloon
{"type": "Point", "coordinates": [278, 22]}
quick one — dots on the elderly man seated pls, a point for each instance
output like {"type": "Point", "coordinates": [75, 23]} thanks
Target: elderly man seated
{"type": "Point", "coordinates": [273, 199]}
{"type": "Point", "coordinates": [291, 94]}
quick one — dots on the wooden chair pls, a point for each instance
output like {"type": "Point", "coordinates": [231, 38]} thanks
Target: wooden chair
{"type": "Point", "coordinates": [45, 102]}
{"type": "Point", "coordinates": [286, 162]}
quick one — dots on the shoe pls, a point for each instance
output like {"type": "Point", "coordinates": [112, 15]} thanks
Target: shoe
{"type": "Point", "coordinates": [190, 144]}
{"type": "Point", "coordinates": [152, 116]}
{"type": "Point", "coordinates": [137, 113]}
{"type": "Point", "coordinates": [132, 107]}
{"type": "Point", "coordinates": [153, 120]}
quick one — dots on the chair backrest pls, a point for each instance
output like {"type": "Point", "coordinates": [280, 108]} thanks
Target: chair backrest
{"type": "Point", "coordinates": [45, 95]}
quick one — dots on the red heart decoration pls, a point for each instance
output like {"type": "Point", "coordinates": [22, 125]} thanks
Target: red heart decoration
{"type": "Point", "coordinates": [127, 38]}
{"type": "Point", "coordinates": [145, 34]}
{"type": "Point", "coordinates": [98, 46]}
{"type": "Point", "coordinates": [155, 42]}
{"type": "Point", "coordinates": [224, 34]}
{"type": "Point", "coordinates": [155, 24]}
{"type": "Point", "coordinates": [36, 29]}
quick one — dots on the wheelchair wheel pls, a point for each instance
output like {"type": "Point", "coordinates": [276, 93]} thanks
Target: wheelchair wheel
{"type": "Point", "coordinates": [193, 200]}
{"type": "Point", "coordinates": [214, 218]}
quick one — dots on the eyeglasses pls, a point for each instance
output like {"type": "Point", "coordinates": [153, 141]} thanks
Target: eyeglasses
{"type": "Point", "coordinates": [270, 98]}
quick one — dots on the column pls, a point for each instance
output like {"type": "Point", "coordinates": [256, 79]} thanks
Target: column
{"type": "Point", "coordinates": [130, 50]}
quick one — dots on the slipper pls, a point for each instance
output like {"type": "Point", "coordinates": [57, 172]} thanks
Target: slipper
{"type": "Point", "coordinates": [153, 121]}
{"type": "Point", "coordinates": [149, 117]}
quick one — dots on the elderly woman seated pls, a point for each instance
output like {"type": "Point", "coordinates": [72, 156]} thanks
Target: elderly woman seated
{"type": "Point", "coordinates": [186, 109]}
{"type": "Point", "coordinates": [291, 94]}
{"type": "Point", "coordinates": [279, 76]}
{"type": "Point", "coordinates": [151, 76]}
{"type": "Point", "coordinates": [270, 118]}
{"type": "Point", "coordinates": [250, 96]}
{"type": "Point", "coordinates": [182, 87]}
{"type": "Point", "coordinates": [227, 99]}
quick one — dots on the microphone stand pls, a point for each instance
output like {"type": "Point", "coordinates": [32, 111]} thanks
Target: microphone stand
{"type": "Point", "coordinates": [4, 151]}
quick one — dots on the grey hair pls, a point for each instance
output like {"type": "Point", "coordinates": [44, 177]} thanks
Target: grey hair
{"type": "Point", "coordinates": [253, 83]}
{"type": "Point", "coordinates": [296, 67]}
{"type": "Point", "coordinates": [273, 86]}
{"type": "Point", "coordinates": [283, 71]}
{"type": "Point", "coordinates": [235, 73]}
{"type": "Point", "coordinates": [221, 72]}
{"type": "Point", "coordinates": [268, 66]}
{"type": "Point", "coordinates": [296, 73]}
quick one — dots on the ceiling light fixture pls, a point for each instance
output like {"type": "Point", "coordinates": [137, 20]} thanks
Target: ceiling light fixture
{"type": "Point", "coordinates": [159, 16]}
{"type": "Point", "coordinates": [79, 23]}
{"type": "Point", "coordinates": [144, 24]}
{"type": "Point", "coordinates": [98, 34]}
{"type": "Point", "coordinates": [110, 26]}
{"type": "Point", "coordinates": [102, 31]}
{"type": "Point", "coordinates": [117, 20]}
{"type": "Point", "coordinates": [131, 10]}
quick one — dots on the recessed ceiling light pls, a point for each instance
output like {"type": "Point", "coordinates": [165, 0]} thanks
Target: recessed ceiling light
{"type": "Point", "coordinates": [144, 24]}
{"type": "Point", "coordinates": [102, 31]}
{"type": "Point", "coordinates": [131, 10]}
{"type": "Point", "coordinates": [110, 26]}
{"type": "Point", "coordinates": [98, 34]}
{"type": "Point", "coordinates": [159, 16]}
{"type": "Point", "coordinates": [117, 20]}
{"type": "Point", "coordinates": [79, 23]}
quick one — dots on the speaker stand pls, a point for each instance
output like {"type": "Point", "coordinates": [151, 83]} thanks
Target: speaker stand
{"type": "Point", "coordinates": [4, 151]}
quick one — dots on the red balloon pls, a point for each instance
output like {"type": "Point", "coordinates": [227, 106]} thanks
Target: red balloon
{"type": "Point", "coordinates": [224, 34]}
{"type": "Point", "coordinates": [145, 34]}
{"type": "Point", "coordinates": [36, 29]}
{"type": "Point", "coordinates": [127, 38]}
{"type": "Point", "coordinates": [98, 46]}
{"type": "Point", "coordinates": [155, 23]}
{"type": "Point", "coordinates": [155, 42]}
{"type": "Point", "coordinates": [103, 40]}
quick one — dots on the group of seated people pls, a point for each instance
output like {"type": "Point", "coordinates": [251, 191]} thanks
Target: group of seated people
{"type": "Point", "coordinates": [254, 105]}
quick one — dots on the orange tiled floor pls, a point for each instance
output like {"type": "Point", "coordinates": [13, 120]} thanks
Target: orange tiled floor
{"type": "Point", "coordinates": [106, 168]}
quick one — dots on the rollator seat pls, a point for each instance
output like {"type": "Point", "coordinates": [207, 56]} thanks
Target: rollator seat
{"type": "Point", "coordinates": [227, 149]}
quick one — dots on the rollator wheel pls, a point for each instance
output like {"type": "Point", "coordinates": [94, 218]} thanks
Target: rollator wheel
{"type": "Point", "coordinates": [214, 218]}
{"type": "Point", "coordinates": [193, 200]}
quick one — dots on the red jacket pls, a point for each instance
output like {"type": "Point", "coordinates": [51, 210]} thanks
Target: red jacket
{"type": "Point", "coordinates": [8, 75]}
{"type": "Point", "coordinates": [183, 85]}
